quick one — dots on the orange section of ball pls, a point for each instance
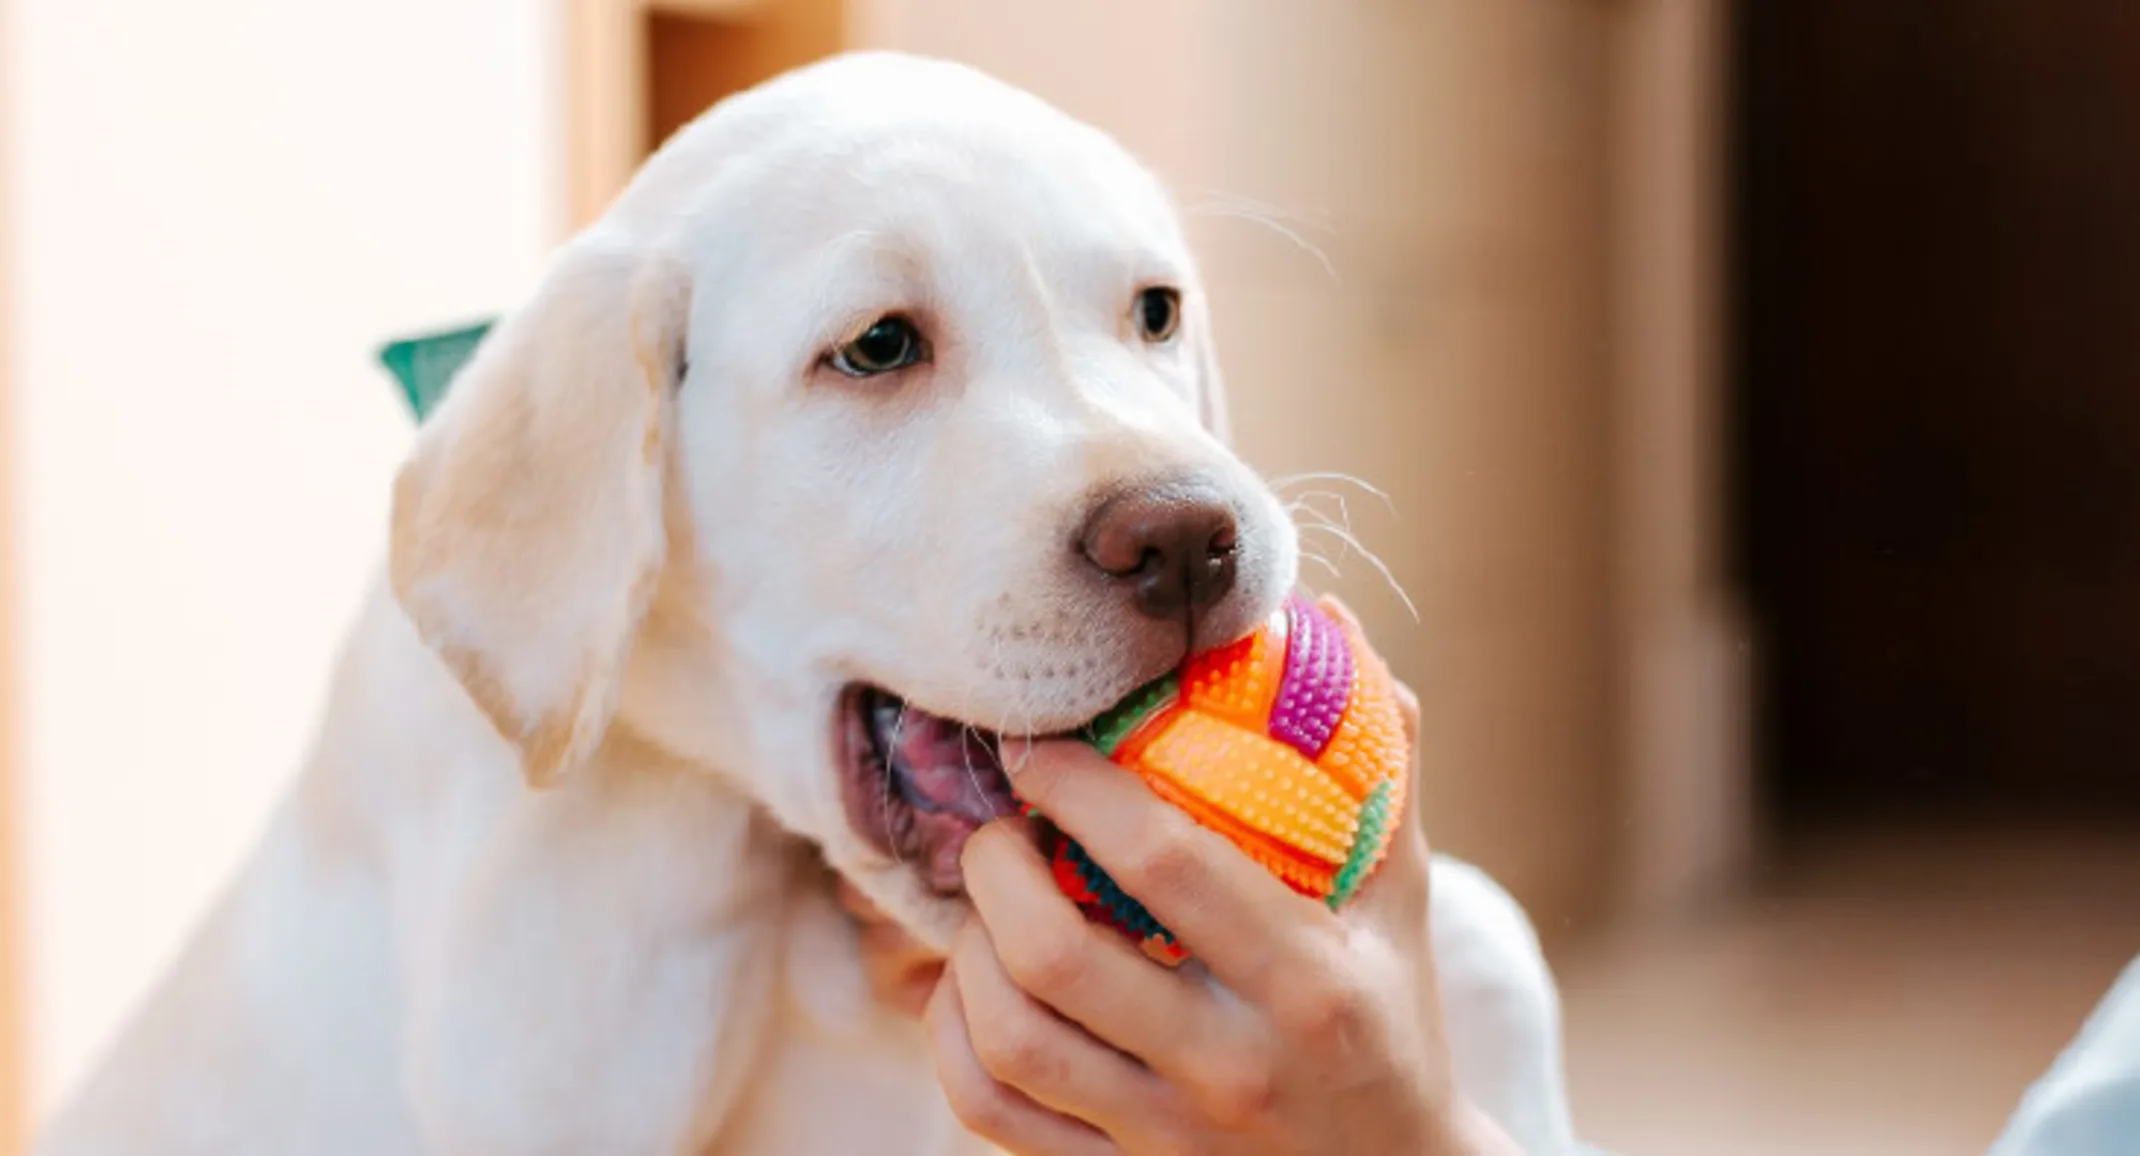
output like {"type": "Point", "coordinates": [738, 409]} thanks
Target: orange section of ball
{"type": "Point", "coordinates": [1305, 874]}
{"type": "Point", "coordinates": [1238, 683]}
{"type": "Point", "coordinates": [1262, 783]}
{"type": "Point", "coordinates": [1130, 751]}
{"type": "Point", "coordinates": [1368, 745]}
{"type": "Point", "coordinates": [1209, 751]}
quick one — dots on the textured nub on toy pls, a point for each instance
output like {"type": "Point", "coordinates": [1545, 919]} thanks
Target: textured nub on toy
{"type": "Point", "coordinates": [1289, 742]}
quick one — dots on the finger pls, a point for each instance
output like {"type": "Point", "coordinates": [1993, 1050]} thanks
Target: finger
{"type": "Point", "coordinates": [995, 1112]}
{"type": "Point", "coordinates": [1249, 929]}
{"type": "Point", "coordinates": [1024, 1046]}
{"type": "Point", "coordinates": [1089, 974]}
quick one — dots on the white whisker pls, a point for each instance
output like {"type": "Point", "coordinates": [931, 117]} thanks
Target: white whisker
{"type": "Point", "coordinates": [968, 736]}
{"type": "Point", "coordinates": [1279, 485]}
{"type": "Point", "coordinates": [1308, 516]}
{"type": "Point", "coordinates": [1382, 568]}
{"type": "Point", "coordinates": [891, 835]}
{"type": "Point", "coordinates": [1311, 556]}
{"type": "Point", "coordinates": [1243, 209]}
{"type": "Point", "coordinates": [1307, 499]}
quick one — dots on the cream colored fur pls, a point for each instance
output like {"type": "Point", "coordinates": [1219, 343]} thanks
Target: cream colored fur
{"type": "Point", "coordinates": [545, 886]}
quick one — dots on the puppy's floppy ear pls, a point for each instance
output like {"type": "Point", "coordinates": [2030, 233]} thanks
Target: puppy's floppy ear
{"type": "Point", "coordinates": [1210, 383]}
{"type": "Point", "coordinates": [528, 524]}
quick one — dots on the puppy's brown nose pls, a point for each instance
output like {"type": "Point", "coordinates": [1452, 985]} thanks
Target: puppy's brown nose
{"type": "Point", "coordinates": [1172, 550]}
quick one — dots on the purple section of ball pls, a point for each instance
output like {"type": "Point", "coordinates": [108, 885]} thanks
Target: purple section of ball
{"type": "Point", "coordinates": [1318, 680]}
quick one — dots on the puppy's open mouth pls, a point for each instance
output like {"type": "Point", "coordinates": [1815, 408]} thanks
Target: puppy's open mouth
{"type": "Point", "coordinates": [917, 785]}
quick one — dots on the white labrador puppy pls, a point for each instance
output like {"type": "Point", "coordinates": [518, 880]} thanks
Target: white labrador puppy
{"type": "Point", "coordinates": [884, 397]}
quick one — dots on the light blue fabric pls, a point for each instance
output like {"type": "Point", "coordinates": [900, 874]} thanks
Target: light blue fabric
{"type": "Point", "coordinates": [2088, 1104]}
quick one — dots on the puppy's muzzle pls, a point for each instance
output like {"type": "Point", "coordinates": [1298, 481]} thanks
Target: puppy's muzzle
{"type": "Point", "coordinates": [1170, 550]}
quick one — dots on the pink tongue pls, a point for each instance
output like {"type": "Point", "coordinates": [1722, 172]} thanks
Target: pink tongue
{"type": "Point", "coordinates": [951, 771]}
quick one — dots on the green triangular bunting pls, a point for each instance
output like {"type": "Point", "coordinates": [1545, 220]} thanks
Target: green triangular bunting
{"type": "Point", "coordinates": [425, 365]}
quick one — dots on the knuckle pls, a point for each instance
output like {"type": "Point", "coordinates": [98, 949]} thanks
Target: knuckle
{"type": "Point", "coordinates": [1324, 1014]}
{"type": "Point", "coordinates": [1015, 1049]}
{"type": "Point", "coordinates": [1053, 961]}
{"type": "Point", "coordinates": [1168, 856]}
{"type": "Point", "coordinates": [1179, 1140]}
{"type": "Point", "coordinates": [1242, 1093]}
{"type": "Point", "coordinates": [982, 1105]}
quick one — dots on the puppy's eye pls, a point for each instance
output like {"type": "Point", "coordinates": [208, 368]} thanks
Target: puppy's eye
{"type": "Point", "coordinates": [892, 343]}
{"type": "Point", "coordinates": [1158, 313]}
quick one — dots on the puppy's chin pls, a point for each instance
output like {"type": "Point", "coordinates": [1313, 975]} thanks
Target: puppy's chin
{"type": "Point", "coordinates": [899, 892]}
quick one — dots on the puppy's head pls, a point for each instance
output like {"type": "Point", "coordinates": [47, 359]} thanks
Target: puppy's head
{"type": "Point", "coordinates": [878, 418]}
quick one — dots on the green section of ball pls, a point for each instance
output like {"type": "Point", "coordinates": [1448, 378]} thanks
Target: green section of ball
{"type": "Point", "coordinates": [1366, 845]}
{"type": "Point", "coordinates": [1106, 732]}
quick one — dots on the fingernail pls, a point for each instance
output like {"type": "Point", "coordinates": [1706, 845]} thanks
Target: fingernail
{"type": "Point", "coordinates": [1019, 754]}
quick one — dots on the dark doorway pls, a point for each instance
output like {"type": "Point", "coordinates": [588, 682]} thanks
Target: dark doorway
{"type": "Point", "coordinates": [1938, 404]}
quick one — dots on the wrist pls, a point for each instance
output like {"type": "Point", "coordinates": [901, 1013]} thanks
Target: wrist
{"type": "Point", "coordinates": [1467, 1131]}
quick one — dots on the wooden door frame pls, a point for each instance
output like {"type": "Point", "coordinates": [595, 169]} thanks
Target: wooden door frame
{"type": "Point", "coordinates": [606, 89]}
{"type": "Point", "coordinates": [1682, 640]}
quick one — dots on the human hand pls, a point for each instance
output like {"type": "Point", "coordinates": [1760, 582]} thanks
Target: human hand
{"type": "Point", "coordinates": [1293, 1030]}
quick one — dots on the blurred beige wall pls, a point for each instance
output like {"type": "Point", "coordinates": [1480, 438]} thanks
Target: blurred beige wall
{"type": "Point", "coordinates": [1455, 157]}
{"type": "Point", "coordinates": [14, 1043]}
{"type": "Point", "coordinates": [1509, 328]}
{"type": "Point", "coordinates": [219, 208]}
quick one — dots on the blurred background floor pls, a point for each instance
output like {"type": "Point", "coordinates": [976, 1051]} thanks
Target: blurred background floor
{"type": "Point", "coordinates": [1883, 994]}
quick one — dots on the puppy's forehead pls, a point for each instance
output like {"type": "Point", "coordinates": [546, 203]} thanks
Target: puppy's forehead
{"type": "Point", "coordinates": [976, 181]}
{"type": "Point", "coordinates": [882, 135]}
